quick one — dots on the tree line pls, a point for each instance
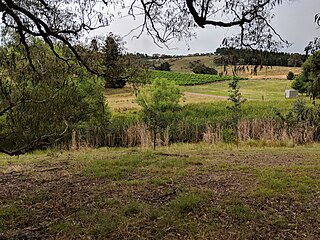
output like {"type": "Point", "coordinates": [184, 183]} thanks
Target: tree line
{"type": "Point", "coordinates": [234, 56]}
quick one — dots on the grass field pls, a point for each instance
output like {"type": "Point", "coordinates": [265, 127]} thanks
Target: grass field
{"type": "Point", "coordinates": [252, 89]}
{"type": "Point", "coordinates": [180, 192]}
{"type": "Point", "coordinates": [271, 89]}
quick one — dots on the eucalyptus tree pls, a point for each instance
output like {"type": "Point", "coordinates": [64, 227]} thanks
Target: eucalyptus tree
{"type": "Point", "coordinates": [67, 20]}
{"type": "Point", "coordinates": [40, 104]}
{"type": "Point", "coordinates": [165, 20]}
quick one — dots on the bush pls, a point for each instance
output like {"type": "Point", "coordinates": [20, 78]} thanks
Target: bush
{"type": "Point", "coordinates": [203, 69]}
{"type": "Point", "coordinates": [290, 75]}
{"type": "Point", "coordinates": [159, 103]}
{"type": "Point", "coordinates": [163, 67]}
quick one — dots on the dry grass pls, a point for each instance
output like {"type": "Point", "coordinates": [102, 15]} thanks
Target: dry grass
{"type": "Point", "coordinates": [267, 72]}
{"type": "Point", "coordinates": [182, 65]}
{"type": "Point", "coordinates": [121, 99]}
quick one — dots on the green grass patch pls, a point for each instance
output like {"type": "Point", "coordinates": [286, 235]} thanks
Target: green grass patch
{"type": "Point", "coordinates": [120, 167]}
{"type": "Point", "coordinates": [105, 225]}
{"type": "Point", "coordinates": [12, 216]}
{"type": "Point", "coordinates": [116, 166]}
{"type": "Point", "coordinates": [67, 228]}
{"type": "Point", "coordinates": [133, 208]}
{"type": "Point", "coordinates": [273, 182]}
{"type": "Point", "coordinates": [239, 211]}
{"type": "Point", "coordinates": [115, 169]}
{"type": "Point", "coordinates": [189, 202]}
{"type": "Point", "coordinates": [269, 90]}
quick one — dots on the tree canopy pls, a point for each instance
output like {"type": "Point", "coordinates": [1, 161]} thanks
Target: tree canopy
{"type": "Point", "coordinates": [40, 104]}
{"type": "Point", "coordinates": [309, 80]}
{"type": "Point", "coordinates": [66, 21]}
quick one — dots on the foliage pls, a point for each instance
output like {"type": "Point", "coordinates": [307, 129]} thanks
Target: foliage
{"type": "Point", "coordinates": [203, 69]}
{"type": "Point", "coordinates": [165, 66]}
{"type": "Point", "coordinates": [236, 98]}
{"type": "Point", "coordinates": [55, 21]}
{"type": "Point", "coordinates": [189, 79]}
{"type": "Point", "coordinates": [309, 79]}
{"type": "Point", "coordinates": [301, 117]}
{"type": "Point", "coordinates": [40, 103]}
{"type": "Point", "coordinates": [313, 46]}
{"type": "Point", "coordinates": [113, 68]}
{"type": "Point", "coordinates": [159, 102]}
{"type": "Point", "coordinates": [301, 83]}
{"type": "Point", "coordinates": [311, 70]}
{"type": "Point", "coordinates": [231, 56]}
{"type": "Point", "coordinates": [165, 20]}
{"type": "Point", "coordinates": [193, 121]}
{"type": "Point", "coordinates": [290, 75]}
{"type": "Point", "coordinates": [106, 57]}
{"type": "Point", "coordinates": [295, 60]}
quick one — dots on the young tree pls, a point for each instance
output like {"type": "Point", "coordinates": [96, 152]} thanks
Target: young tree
{"type": "Point", "coordinates": [159, 102]}
{"type": "Point", "coordinates": [236, 98]}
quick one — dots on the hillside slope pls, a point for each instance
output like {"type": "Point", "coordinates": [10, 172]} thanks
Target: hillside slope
{"type": "Point", "coordinates": [181, 64]}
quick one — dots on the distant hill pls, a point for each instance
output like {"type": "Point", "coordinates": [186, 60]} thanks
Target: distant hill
{"type": "Point", "coordinates": [182, 64]}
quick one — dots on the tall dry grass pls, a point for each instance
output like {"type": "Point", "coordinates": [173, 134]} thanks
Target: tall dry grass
{"type": "Point", "coordinates": [138, 134]}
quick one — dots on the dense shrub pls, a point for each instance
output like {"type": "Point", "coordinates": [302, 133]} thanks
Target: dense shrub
{"type": "Point", "coordinates": [290, 75]}
{"type": "Point", "coordinates": [163, 67]}
{"type": "Point", "coordinates": [203, 69]}
{"type": "Point", "coordinates": [44, 107]}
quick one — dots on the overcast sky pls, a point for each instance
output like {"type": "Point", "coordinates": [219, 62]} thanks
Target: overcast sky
{"type": "Point", "coordinates": [294, 21]}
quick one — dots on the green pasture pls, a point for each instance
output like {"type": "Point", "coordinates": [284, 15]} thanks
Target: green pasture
{"type": "Point", "coordinates": [271, 89]}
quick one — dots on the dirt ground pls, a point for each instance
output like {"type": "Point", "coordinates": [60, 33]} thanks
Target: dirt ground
{"type": "Point", "coordinates": [250, 194]}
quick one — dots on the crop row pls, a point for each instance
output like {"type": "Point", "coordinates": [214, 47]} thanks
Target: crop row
{"type": "Point", "coordinates": [184, 79]}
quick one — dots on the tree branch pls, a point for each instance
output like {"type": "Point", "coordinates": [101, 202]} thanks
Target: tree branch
{"type": "Point", "coordinates": [33, 144]}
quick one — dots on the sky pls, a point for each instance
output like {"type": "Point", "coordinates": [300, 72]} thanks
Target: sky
{"type": "Point", "coordinates": [293, 20]}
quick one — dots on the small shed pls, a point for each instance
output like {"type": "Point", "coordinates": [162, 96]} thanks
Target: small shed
{"type": "Point", "coordinates": [290, 93]}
